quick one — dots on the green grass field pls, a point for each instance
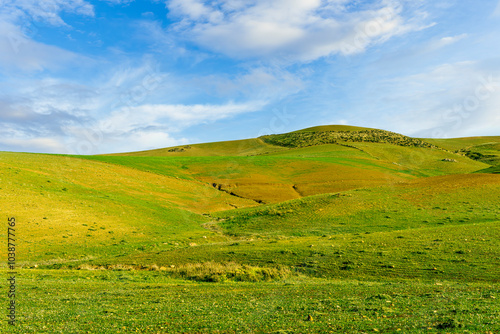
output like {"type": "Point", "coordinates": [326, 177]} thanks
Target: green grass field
{"type": "Point", "coordinates": [353, 236]}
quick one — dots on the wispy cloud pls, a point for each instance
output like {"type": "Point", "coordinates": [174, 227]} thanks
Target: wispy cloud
{"type": "Point", "coordinates": [261, 83]}
{"type": "Point", "coordinates": [445, 41]}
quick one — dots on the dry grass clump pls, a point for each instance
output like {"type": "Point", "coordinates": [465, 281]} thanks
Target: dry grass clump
{"type": "Point", "coordinates": [205, 272]}
{"type": "Point", "coordinates": [231, 271]}
{"type": "Point", "coordinates": [116, 267]}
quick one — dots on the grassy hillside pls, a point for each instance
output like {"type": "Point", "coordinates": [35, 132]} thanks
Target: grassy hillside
{"type": "Point", "coordinates": [250, 236]}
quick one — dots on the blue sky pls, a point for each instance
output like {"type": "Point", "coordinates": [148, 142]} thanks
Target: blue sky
{"type": "Point", "coordinates": [91, 77]}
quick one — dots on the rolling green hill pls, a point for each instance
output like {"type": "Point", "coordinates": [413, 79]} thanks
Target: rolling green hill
{"type": "Point", "coordinates": [355, 213]}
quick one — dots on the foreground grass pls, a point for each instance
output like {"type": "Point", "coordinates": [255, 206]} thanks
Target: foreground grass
{"type": "Point", "coordinates": [103, 301]}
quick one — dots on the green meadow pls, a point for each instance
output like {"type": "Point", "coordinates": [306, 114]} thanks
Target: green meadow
{"type": "Point", "coordinates": [331, 229]}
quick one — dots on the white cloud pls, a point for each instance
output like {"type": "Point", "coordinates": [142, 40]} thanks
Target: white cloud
{"type": "Point", "coordinates": [117, 112]}
{"type": "Point", "coordinates": [147, 127]}
{"type": "Point", "coordinates": [297, 30]}
{"type": "Point", "coordinates": [194, 10]}
{"type": "Point", "coordinates": [445, 41]}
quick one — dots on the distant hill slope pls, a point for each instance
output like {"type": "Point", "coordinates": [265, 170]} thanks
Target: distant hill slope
{"type": "Point", "coordinates": [84, 208]}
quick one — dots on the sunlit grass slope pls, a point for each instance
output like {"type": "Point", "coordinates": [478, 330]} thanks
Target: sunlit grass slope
{"type": "Point", "coordinates": [71, 208]}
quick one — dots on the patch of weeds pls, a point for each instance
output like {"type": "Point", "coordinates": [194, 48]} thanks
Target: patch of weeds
{"type": "Point", "coordinates": [449, 323]}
